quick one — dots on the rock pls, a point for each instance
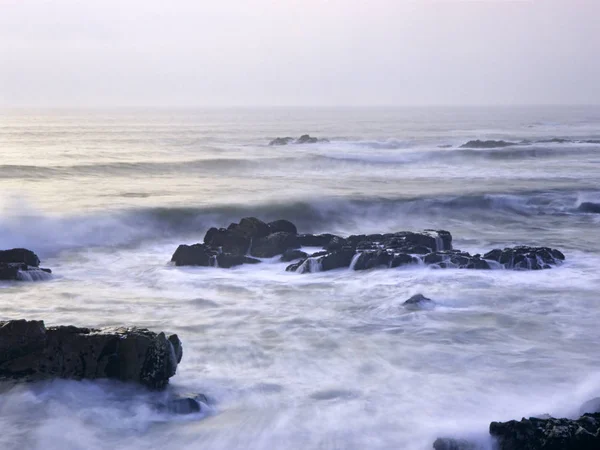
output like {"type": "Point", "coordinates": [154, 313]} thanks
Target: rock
{"type": "Point", "coordinates": [591, 406]}
{"type": "Point", "coordinates": [589, 207]}
{"type": "Point", "coordinates": [336, 260]}
{"type": "Point", "coordinates": [371, 260]}
{"type": "Point", "coordinates": [282, 225]}
{"type": "Point", "coordinates": [281, 141]}
{"type": "Point", "coordinates": [30, 351]}
{"type": "Point", "coordinates": [304, 139]}
{"type": "Point", "coordinates": [292, 254]}
{"type": "Point", "coordinates": [274, 244]}
{"type": "Point", "coordinates": [402, 259]}
{"type": "Point", "coordinates": [526, 258]}
{"type": "Point", "coordinates": [19, 255]}
{"type": "Point", "coordinates": [487, 144]}
{"type": "Point", "coordinates": [183, 404]}
{"type": "Point", "coordinates": [227, 241]}
{"type": "Point", "coordinates": [419, 301]}
{"type": "Point", "coordinates": [251, 227]}
{"type": "Point", "coordinates": [548, 434]}
{"type": "Point", "coordinates": [22, 265]}
{"type": "Point", "coordinates": [315, 240]}
{"type": "Point", "coordinates": [227, 260]}
{"type": "Point", "coordinates": [194, 255]}
{"type": "Point", "coordinates": [453, 444]}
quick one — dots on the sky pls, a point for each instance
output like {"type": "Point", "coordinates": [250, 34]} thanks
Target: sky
{"type": "Point", "coordinates": [199, 53]}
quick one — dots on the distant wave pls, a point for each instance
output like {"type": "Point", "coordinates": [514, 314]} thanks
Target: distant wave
{"type": "Point", "coordinates": [51, 234]}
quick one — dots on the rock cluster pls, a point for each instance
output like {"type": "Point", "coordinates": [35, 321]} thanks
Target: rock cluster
{"type": "Point", "coordinates": [31, 351]}
{"type": "Point", "coordinates": [304, 139]}
{"type": "Point", "coordinates": [251, 238]}
{"type": "Point", "coordinates": [21, 264]}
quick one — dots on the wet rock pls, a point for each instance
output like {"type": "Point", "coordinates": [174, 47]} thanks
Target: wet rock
{"type": "Point", "coordinates": [591, 406]}
{"type": "Point", "coordinates": [281, 141]}
{"type": "Point", "coordinates": [30, 351]}
{"type": "Point", "coordinates": [227, 260]}
{"type": "Point", "coordinates": [487, 144]}
{"type": "Point", "coordinates": [183, 404]}
{"type": "Point", "coordinates": [274, 244]}
{"type": "Point", "coordinates": [371, 260]}
{"type": "Point", "coordinates": [22, 265]}
{"type": "Point", "coordinates": [337, 259]}
{"type": "Point", "coordinates": [589, 207]}
{"type": "Point", "coordinates": [453, 444]}
{"type": "Point", "coordinates": [193, 255]}
{"type": "Point", "coordinates": [526, 258]}
{"type": "Point", "coordinates": [419, 301]}
{"type": "Point", "coordinates": [292, 254]}
{"type": "Point", "coordinates": [403, 259]}
{"type": "Point", "coordinates": [282, 225]}
{"type": "Point", "coordinates": [548, 434]}
{"type": "Point", "coordinates": [315, 240]}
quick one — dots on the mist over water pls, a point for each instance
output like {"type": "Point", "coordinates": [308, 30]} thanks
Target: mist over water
{"type": "Point", "coordinates": [326, 360]}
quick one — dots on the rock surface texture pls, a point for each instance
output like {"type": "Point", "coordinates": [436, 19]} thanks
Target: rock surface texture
{"type": "Point", "coordinates": [22, 265]}
{"type": "Point", "coordinates": [31, 351]}
{"type": "Point", "coordinates": [251, 238]}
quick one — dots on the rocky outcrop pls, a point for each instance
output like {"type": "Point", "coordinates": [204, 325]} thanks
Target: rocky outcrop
{"type": "Point", "coordinates": [22, 265]}
{"type": "Point", "coordinates": [548, 433]}
{"type": "Point", "coordinates": [31, 351]}
{"type": "Point", "coordinates": [304, 139]}
{"type": "Point", "coordinates": [419, 301]}
{"type": "Point", "coordinates": [251, 238]}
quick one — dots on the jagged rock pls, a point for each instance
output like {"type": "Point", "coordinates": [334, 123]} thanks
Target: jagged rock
{"type": "Point", "coordinates": [227, 260]}
{"type": "Point", "coordinates": [589, 207]}
{"type": "Point", "coordinates": [292, 254]}
{"type": "Point", "coordinates": [371, 260]}
{"type": "Point", "coordinates": [281, 141]}
{"type": "Point", "coordinates": [402, 259]}
{"type": "Point", "coordinates": [315, 240]}
{"type": "Point", "coordinates": [526, 258]}
{"type": "Point", "coordinates": [419, 301]}
{"type": "Point", "coordinates": [337, 259]}
{"type": "Point", "coordinates": [487, 144]}
{"type": "Point", "coordinates": [30, 351]}
{"type": "Point", "coordinates": [194, 255]}
{"type": "Point", "coordinates": [282, 225]}
{"type": "Point", "coordinates": [183, 405]}
{"type": "Point", "coordinates": [548, 434]}
{"type": "Point", "coordinates": [22, 265]}
{"type": "Point", "coordinates": [274, 244]}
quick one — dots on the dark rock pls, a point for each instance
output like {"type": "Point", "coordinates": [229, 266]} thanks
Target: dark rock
{"type": "Point", "coordinates": [291, 255]}
{"type": "Point", "coordinates": [194, 255]}
{"type": "Point", "coordinates": [453, 444]}
{"type": "Point", "coordinates": [227, 260]}
{"type": "Point", "coordinates": [282, 225]}
{"type": "Point", "coordinates": [591, 406]}
{"type": "Point", "coordinates": [315, 240]}
{"type": "Point", "coordinates": [281, 141]}
{"type": "Point", "coordinates": [336, 243]}
{"type": "Point", "coordinates": [548, 434]}
{"type": "Point", "coordinates": [274, 244]}
{"type": "Point", "coordinates": [337, 259]}
{"type": "Point", "coordinates": [19, 255]}
{"type": "Point", "coordinates": [30, 351]}
{"type": "Point", "coordinates": [487, 144]}
{"type": "Point", "coordinates": [371, 260]}
{"type": "Point", "coordinates": [419, 301]}
{"type": "Point", "coordinates": [295, 266]}
{"type": "Point", "coordinates": [227, 240]}
{"type": "Point", "coordinates": [589, 207]}
{"type": "Point", "coordinates": [22, 265]}
{"type": "Point", "coordinates": [403, 259]}
{"type": "Point", "coordinates": [526, 258]}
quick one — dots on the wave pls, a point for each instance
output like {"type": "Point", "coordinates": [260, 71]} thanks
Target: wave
{"type": "Point", "coordinates": [49, 235]}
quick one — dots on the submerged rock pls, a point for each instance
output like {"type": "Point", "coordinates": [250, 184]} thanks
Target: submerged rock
{"type": "Point", "coordinates": [419, 301]}
{"type": "Point", "coordinates": [22, 265]}
{"type": "Point", "coordinates": [548, 434]}
{"type": "Point", "coordinates": [31, 351]}
{"type": "Point", "coordinates": [183, 404]}
{"type": "Point", "coordinates": [454, 444]}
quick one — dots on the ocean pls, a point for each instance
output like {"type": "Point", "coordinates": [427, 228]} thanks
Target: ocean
{"type": "Point", "coordinates": [329, 360]}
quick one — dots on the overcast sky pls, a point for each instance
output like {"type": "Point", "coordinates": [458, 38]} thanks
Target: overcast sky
{"type": "Point", "coordinates": [63, 53]}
